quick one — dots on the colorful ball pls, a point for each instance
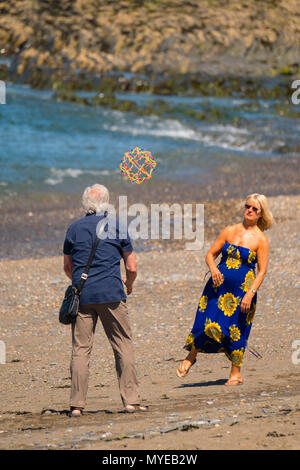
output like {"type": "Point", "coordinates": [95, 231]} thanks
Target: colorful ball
{"type": "Point", "coordinates": [138, 165]}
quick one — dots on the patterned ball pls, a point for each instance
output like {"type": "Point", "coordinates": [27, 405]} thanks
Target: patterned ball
{"type": "Point", "coordinates": [138, 165]}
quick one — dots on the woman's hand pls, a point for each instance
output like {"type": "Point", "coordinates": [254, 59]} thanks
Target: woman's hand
{"type": "Point", "coordinates": [246, 302]}
{"type": "Point", "coordinates": [217, 276]}
{"type": "Point", "coordinates": [212, 254]}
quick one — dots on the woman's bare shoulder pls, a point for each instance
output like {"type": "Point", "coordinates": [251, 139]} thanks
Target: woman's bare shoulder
{"type": "Point", "coordinates": [263, 240]}
{"type": "Point", "coordinates": [230, 229]}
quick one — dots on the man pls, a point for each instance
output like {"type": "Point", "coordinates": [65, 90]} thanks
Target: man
{"type": "Point", "coordinates": [103, 297]}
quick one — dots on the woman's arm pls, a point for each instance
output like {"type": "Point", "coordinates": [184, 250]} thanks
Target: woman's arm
{"type": "Point", "coordinates": [262, 262]}
{"type": "Point", "coordinates": [213, 253]}
{"type": "Point", "coordinates": [262, 265]}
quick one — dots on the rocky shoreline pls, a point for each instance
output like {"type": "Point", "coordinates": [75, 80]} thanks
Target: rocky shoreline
{"type": "Point", "coordinates": [207, 48]}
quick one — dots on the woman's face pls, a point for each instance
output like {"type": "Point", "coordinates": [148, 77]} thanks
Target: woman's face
{"type": "Point", "coordinates": [252, 211]}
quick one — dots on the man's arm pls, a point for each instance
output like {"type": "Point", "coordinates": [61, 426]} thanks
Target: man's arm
{"type": "Point", "coordinates": [131, 270]}
{"type": "Point", "coordinates": [68, 265]}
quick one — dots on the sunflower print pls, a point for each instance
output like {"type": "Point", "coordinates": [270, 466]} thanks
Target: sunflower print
{"type": "Point", "coordinates": [203, 303]}
{"type": "Point", "coordinates": [189, 344]}
{"type": "Point", "coordinates": [213, 330]}
{"type": "Point", "coordinates": [249, 278]}
{"type": "Point", "coordinates": [236, 357]}
{"type": "Point", "coordinates": [251, 257]}
{"type": "Point", "coordinates": [233, 259]}
{"type": "Point", "coordinates": [223, 328]}
{"type": "Point", "coordinates": [250, 315]}
{"type": "Point", "coordinates": [228, 303]}
{"type": "Point", "coordinates": [235, 333]}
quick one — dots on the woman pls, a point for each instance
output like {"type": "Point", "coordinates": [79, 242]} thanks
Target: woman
{"type": "Point", "coordinates": [227, 305]}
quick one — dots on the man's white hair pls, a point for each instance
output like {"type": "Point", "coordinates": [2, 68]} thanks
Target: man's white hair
{"type": "Point", "coordinates": [95, 198]}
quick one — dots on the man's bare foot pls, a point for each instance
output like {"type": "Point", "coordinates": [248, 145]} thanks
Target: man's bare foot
{"type": "Point", "coordinates": [75, 412]}
{"type": "Point", "coordinates": [133, 408]}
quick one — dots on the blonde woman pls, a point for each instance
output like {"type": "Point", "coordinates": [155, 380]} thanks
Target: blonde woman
{"type": "Point", "coordinates": [226, 309]}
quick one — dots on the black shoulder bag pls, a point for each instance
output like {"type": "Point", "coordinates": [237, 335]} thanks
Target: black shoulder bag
{"type": "Point", "coordinates": [70, 305]}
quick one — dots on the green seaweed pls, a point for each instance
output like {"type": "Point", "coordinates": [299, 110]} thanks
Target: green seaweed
{"type": "Point", "coordinates": [67, 95]}
{"type": "Point", "coordinates": [3, 72]}
{"type": "Point", "coordinates": [157, 107]}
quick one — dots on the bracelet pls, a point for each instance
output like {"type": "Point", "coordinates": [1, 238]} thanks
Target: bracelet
{"type": "Point", "coordinates": [254, 291]}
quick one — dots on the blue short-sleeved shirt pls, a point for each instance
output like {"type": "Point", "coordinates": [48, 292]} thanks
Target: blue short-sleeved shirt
{"type": "Point", "coordinates": [104, 283]}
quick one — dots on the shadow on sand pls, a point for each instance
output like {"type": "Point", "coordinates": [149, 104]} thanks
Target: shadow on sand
{"type": "Point", "coordinates": [204, 384]}
{"type": "Point", "coordinates": [49, 411]}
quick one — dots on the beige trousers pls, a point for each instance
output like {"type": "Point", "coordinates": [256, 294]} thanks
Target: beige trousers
{"type": "Point", "coordinates": [115, 321]}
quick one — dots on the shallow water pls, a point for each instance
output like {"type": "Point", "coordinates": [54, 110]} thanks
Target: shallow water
{"type": "Point", "coordinates": [60, 146]}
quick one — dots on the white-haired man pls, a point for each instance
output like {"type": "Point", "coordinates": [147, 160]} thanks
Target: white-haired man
{"type": "Point", "coordinates": [103, 297]}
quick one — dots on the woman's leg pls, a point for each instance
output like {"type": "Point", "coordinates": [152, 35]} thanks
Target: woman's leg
{"type": "Point", "coordinates": [187, 363]}
{"type": "Point", "coordinates": [235, 377]}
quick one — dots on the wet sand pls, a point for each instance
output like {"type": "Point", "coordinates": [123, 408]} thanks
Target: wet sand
{"type": "Point", "coordinates": [197, 412]}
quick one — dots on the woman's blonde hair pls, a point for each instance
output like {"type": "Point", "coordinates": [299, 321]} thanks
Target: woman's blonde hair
{"type": "Point", "coordinates": [266, 219]}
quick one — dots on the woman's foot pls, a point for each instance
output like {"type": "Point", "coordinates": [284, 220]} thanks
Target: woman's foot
{"type": "Point", "coordinates": [133, 408]}
{"type": "Point", "coordinates": [234, 381]}
{"type": "Point", "coordinates": [235, 377]}
{"type": "Point", "coordinates": [75, 412]}
{"type": "Point", "coordinates": [185, 366]}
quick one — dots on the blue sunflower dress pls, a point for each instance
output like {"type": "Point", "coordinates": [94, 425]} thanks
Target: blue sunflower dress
{"type": "Point", "coordinates": [220, 326]}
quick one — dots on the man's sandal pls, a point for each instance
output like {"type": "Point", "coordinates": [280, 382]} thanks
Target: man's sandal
{"type": "Point", "coordinates": [182, 370]}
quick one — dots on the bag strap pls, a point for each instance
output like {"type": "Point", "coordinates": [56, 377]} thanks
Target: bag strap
{"type": "Point", "coordinates": [84, 275]}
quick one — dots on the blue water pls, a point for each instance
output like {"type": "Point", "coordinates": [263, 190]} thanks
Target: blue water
{"type": "Point", "coordinates": [50, 145]}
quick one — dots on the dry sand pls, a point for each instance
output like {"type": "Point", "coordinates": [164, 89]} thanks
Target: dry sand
{"type": "Point", "coordinates": [197, 412]}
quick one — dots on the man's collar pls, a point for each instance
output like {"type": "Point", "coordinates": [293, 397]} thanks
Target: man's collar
{"type": "Point", "coordinates": [99, 214]}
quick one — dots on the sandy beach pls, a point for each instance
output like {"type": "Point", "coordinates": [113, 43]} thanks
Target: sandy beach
{"type": "Point", "coordinates": [197, 412]}
{"type": "Point", "coordinates": [34, 224]}
{"type": "Point", "coordinates": [211, 88]}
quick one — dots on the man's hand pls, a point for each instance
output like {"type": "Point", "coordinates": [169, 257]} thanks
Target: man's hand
{"type": "Point", "coordinates": [130, 266]}
{"type": "Point", "coordinates": [129, 286]}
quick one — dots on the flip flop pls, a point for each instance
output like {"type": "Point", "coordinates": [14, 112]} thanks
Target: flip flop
{"type": "Point", "coordinates": [233, 382]}
{"type": "Point", "coordinates": [185, 369]}
{"type": "Point", "coordinates": [134, 408]}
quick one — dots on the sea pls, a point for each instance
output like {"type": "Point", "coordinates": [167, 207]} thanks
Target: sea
{"type": "Point", "coordinates": [49, 146]}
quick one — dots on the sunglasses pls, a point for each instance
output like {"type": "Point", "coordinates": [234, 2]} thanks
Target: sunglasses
{"type": "Point", "coordinates": [256, 209]}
